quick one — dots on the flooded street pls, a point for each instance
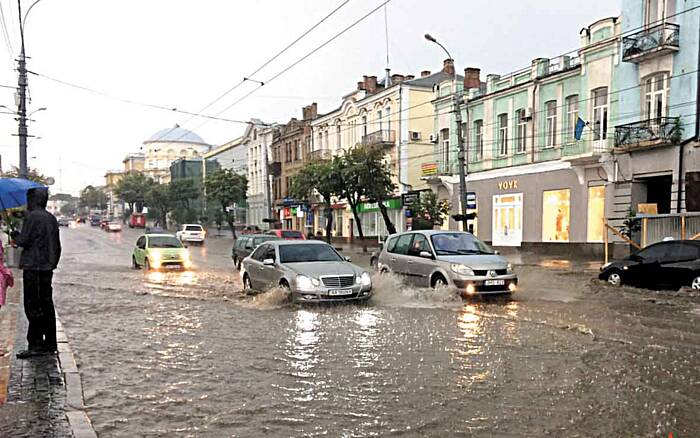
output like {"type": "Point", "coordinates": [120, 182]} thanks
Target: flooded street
{"type": "Point", "coordinates": [186, 354]}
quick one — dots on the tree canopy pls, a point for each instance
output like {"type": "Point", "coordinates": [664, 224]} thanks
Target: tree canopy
{"type": "Point", "coordinates": [226, 188]}
{"type": "Point", "coordinates": [93, 197]}
{"type": "Point", "coordinates": [132, 189]}
{"type": "Point", "coordinates": [32, 175]}
{"type": "Point", "coordinates": [429, 211]}
{"type": "Point", "coordinates": [324, 178]}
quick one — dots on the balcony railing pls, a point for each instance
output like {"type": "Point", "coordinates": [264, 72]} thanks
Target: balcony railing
{"type": "Point", "coordinates": [652, 132]}
{"type": "Point", "coordinates": [659, 39]}
{"type": "Point", "coordinates": [320, 155]}
{"type": "Point", "coordinates": [382, 137]}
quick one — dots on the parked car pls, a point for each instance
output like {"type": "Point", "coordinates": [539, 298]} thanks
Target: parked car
{"type": "Point", "coordinates": [113, 226]}
{"type": "Point", "coordinates": [246, 244]}
{"type": "Point", "coordinates": [456, 260]}
{"type": "Point", "coordinates": [156, 251]}
{"type": "Point", "coordinates": [313, 271]}
{"type": "Point", "coordinates": [191, 233]}
{"type": "Point", "coordinates": [287, 234]}
{"type": "Point", "coordinates": [63, 222]}
{"type": "Point", "coordinates": [251, 229]}
{"type": "Point", "coordinates": [671, 264]}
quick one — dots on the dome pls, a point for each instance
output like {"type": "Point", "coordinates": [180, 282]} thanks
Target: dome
{"type": "Point", "coordinates": [175, 134]}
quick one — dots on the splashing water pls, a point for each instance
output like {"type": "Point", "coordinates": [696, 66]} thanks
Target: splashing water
{"type": "Point", "coordinates": [389, 290]}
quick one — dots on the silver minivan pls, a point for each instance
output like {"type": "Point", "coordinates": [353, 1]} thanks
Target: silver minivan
{"type": "Point", "coordinates": [457, 260]}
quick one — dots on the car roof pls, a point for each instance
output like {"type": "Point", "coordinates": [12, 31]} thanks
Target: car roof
{"type": "Point", "coordinates": [430, 232]}
{"type": "Point", "coordinates": [159, 235]}
{"type": "Point", "coordinates": [296, 242]}
{"type": "Point", "coordinates": [666, 242]}
{"type": "Point", "coordinates": [191, 225]}
{"type": "Point", "coordinates": [267, 236]}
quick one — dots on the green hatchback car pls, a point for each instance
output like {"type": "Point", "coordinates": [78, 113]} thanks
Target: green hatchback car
{"type": "Point", "coordinates": [160, 251]}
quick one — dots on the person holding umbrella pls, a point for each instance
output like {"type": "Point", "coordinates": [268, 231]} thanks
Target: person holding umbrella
{"type": "Point", "coordinates": [41, 251]}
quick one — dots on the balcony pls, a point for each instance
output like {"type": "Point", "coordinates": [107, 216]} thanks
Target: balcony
{"type": "Point", "coordinates": [320, 155]}
{"type": "Point", "coordinates": [647, 133]}
{"type": "Point", "coordinates": [382, 138]}
{"type": "Point", "coordinates": [656, 40]}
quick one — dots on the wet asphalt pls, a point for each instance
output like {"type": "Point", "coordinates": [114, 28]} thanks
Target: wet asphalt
{"type": "Point", "coordinates": [186, 354]}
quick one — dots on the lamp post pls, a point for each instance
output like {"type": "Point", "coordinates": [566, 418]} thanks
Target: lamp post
{"type": "Point", "coordinates": [460, 141]}
{"type": "Point", "coordinates": [22, 93]}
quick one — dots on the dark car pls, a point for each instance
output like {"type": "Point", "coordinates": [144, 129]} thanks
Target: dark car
{"type": "Point", "coordinates": [95, 221]}
{"type": "Point", "coordinates": [666, 265]}
{"type": "Point", "coordinates": [246, 244]}
{"type": "Point", "coordinates": [63, 222]}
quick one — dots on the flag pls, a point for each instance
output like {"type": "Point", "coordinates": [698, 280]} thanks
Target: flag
{"type": "Point", "coordinates": [578, 131]}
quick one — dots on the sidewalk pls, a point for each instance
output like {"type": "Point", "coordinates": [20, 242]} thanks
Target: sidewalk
{"type": "Point", "coordinates": [41, 396]}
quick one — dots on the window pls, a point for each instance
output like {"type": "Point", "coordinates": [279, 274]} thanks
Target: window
{"type": "Point", "coordinates": [596, 213]}
{"type": "Point", "coordinates": [682, 252]}
{"type": "Point", "coordinates": [381, 121]}
{"type": "Point", "coordinates": [419, 244]}
{"type": "Point", "coordinates": [387, 114]}
{"type": "Point", "coordinates": [297, 150]}
{"type": "Point", "coordinates": [308, 252]}
{"type": "Point", "coordinates": [478, 139]}
{"type": "Point", "coordinates": [503, 134]}
{"type": "Point", "coordinates": [551, 128]}
{"type": "Point", "coordinates": [656, 11]}
{"type": "Point", "coordinates": [269, 253]}
{"type": "Point", "coordinates": [521, 133]}
{"type": "Point", "coordinates": [403, 243]}
{"type": "Point", "coordinates": [391, 244]}
{"type": "Point", "coordinates": [654, 252]}
{"type": "Point", "coordinates": [364, 126]}
{"type": "Point", "coordinates": [458, 243]}
{"type": "Point", "coordinates": [328, 144]}
{"type": "Point", "coordinates": [600, 114]}
{"type": "Point", "coordinates": [555, 215]}
{"type": "Point", "coordinates": [655, 97]}
{"type": "Point", "coordinates": [445, 139]}
{"type": "Point", "coordinates": [337, 138]}
{"type": "Point", "coordinates": [571, 117]}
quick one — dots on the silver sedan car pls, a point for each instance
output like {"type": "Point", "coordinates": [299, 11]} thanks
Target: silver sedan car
{"type": "Point", "coordinates": [313, 271]}
{"type": "Point", "coordinates": [458, 260]}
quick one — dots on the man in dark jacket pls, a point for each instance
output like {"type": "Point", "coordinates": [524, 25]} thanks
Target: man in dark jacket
{"type": "Point", "coordinates": [41, 251]}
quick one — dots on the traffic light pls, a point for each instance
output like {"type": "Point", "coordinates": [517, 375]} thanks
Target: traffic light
{"type": "Point", "coordinates": [462, 217]}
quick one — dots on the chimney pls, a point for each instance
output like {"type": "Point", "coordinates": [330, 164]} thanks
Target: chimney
{"type": "Point", "coordinates": [425, 73]}
{"type": "Point", "coordinates": [388, 82]}
{"type": "Point", "coordinates": [448, 66]}
{"type": "Point", "coordinates": [361, 85]}
{"type": "Point", "coordinates": [310, 112]}
{"type": "Point", "coordinates": [410, 77]}
{"type": "Point", "coordinates": [471, 78]}
{"type": "Point", "coordinates": [370, 84]}
{"type": "Point", "coordinates": [396, 78]}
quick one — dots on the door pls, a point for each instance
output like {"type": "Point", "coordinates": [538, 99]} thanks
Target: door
{"type": "Point", "coordinates": [678, 264]}
{"type": "Point", "coordinates": [140, 250]}
{"type": "Point", "coordinates": [398, 255]}
{"type": "Point", "coordinates": [256, 268]}
{"type": "Point", "coordinates": [507, 219]}
{"type": "Point", "coordinates": [268, 274]}
{"type": "Point", "coordinates": [419, 268]}
{"type": "Point", "coordinates": [647, 271]}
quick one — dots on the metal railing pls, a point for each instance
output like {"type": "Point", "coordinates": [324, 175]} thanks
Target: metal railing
{"type": "Point", "coordinates": [381, 137]}
{"type": "Point", "coordinates": [653, 131]}
{"type": "Point", "coordinates": [652, 40]}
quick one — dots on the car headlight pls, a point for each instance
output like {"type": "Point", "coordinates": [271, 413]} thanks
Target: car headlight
{"type": "Point", "coordinates": [461, 269]}
{"type": "Point", "coordinates": [156, 257]}
{"type": "Point", "coordinates": [509, 268]}
{"type": "Point", "coordinates": [365, 279]}
{"type": "Point", "coordinates": [307, 283]}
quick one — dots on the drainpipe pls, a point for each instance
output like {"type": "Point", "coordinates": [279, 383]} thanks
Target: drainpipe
{"type": "Point", "coordinates": [697, 131]}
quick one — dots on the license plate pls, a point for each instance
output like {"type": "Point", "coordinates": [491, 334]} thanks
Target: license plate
{"type": "Point", "coordinates": [337, 292]}
{"type": "Point", "coordinates": [494, 282]}
{"type": "Point", "coordinates": [172, 266]}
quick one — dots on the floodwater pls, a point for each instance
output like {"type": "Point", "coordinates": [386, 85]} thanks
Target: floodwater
{"type": "Point", "coordinates": [186, 354]}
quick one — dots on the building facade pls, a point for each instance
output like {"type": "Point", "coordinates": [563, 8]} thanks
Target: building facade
{"type": "Point", "coordinates": [394, 114]}
{"type": "Point", "coordinates": [167, 145]}
{"type": "Point", "coordinates": [290, 152]}
{"type": "Point", "coordinates": [258, 141]}
{"type": "Point", "coordinates": [232, 155]}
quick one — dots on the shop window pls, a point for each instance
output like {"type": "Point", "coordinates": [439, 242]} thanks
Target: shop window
{"type": "Point", "coordinates": [596, 213]}
{"type": "Point", "coordinates": [556, 215]}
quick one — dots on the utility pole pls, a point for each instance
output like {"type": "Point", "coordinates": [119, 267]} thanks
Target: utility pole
{"type": "Point", "coordinates": [22, 103]}
{"type": "Point", "coordinates": [461, 156]}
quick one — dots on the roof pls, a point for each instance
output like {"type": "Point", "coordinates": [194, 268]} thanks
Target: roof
{"type": "Point", "coordinates": [296, 242]}
{"type": "Point", "coordinates": [176, 134]}
{"type": "Point", "coordinates": [435, 78]}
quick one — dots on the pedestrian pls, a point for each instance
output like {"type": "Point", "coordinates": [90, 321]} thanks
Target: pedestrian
{"type": "Point", "coordinates": [41, 252]}
{"type": "Point", "coordinates": [6, 280]}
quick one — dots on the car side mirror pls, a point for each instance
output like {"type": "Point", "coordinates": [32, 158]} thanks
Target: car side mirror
{"type": "Point", "coordinates": [497, 252]}
{"type": "Point", "coordinates": [269, 262]}
{"type": "Point", "coordinates": [347, 259]}
{"type": "Point", "coordinates": [426, 254]}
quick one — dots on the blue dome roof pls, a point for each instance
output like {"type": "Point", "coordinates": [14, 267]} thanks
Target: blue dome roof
{"type": "Point", "coordinates": [175, 134]}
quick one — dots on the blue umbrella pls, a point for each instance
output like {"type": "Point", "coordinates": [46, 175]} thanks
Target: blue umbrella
{"type": "Point", "coordinates": [13, 192]}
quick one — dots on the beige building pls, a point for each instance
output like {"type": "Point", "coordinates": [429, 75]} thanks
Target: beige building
{"type": "Point", "coordinates": [395, 113]}
{"type": "Point", "coordinates": [168, 145]}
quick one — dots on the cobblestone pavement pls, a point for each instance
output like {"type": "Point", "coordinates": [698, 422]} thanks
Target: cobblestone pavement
{"type": "Point", "coordinates": [36, 394]}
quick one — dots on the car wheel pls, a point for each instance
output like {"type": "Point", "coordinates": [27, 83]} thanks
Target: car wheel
{"type": "Point", "coordinates": [695, 284]}
{"type": "Point", "coordinates": [147, 265]}
{"type": "Point", "coordinates": [247, 285]}
{"type": "Point", "coordinates": [285, 285]}
{"type": "Point", "coordinates": [439, 281]}
{"type": "Point", "coordinates": [614, 278]}
{"type": "Point", "coordinates": [134, 265]}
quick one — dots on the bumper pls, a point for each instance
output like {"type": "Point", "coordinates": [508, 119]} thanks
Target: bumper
{"type": "Point", "coordinates": [185, 238]}
{"type": "Point", "coordinates": [478, 286]}
{"type": "Point", "coordinates": [322, 296]}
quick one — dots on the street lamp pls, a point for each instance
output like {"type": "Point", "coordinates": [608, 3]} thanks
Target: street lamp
{"type": "Point", "coordinates": [460, 142]}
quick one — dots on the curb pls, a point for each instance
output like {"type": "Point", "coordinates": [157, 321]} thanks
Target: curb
{"type": "Point", "coordinates": [80, 423]}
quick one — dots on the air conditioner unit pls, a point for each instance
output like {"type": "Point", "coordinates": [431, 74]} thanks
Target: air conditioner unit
{"type": "Point", "coordinates": [415, 135]}
{"type": "Point", "coordinates": [528, 114]}
{"type": "Point", "coordinates": [433, 138]}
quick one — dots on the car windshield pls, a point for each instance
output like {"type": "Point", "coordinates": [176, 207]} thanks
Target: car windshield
{"type": "Point", "coordinates": [193, 228]}
{"type": "Point", "coordinates": [459, 244]}
{"type": "Point", "coordinates": [308, 253]}
{"type": "Point", "coordinates": [258, 240]}
{"type": "Point", "coordinates": [164, 242]}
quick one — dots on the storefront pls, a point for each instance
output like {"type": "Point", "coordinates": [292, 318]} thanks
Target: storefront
{"type": "Point", "coordinates": [373, 224]}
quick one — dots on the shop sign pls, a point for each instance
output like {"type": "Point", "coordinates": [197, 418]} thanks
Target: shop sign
{"type": "Point", "coordinates": [391, 204]}
{"type": "Point", "coordinates": [471, 200]}
{"type": "Point", "coordinates": [508, 184]}
{"type": "Point", "coordinates": [428, 169]}
{"type": "Point", "coordinates": [407, 199]}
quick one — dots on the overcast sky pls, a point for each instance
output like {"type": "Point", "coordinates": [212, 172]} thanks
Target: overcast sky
{"type": "Point", "coordinates": [185, 53]}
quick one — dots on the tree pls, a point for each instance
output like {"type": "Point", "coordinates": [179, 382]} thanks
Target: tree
{"type": "Point", "coordinates": [132, 189]}
{"type": "Point", "coordinates": [159, 201]}
{"type": "Point", "coordinates": [353, 187]}
{"type": "Point", "coordinates": [183, 191]}
{"type": "Point", "coordinates": [93, 197]}
{"type": "Point", "coordinates": [324, 178]}
{"type": "Point", "coordinates": [428, 211]}
{"type": "Point", "coordinates": [32, 175]}
{"type": "Point", "coordinates": [226, 188]}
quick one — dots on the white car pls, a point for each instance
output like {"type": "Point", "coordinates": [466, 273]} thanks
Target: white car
{"type": "Point", "coordinates": [114, 226]}
{"type": "Point", "coordinates": [191, 233]}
